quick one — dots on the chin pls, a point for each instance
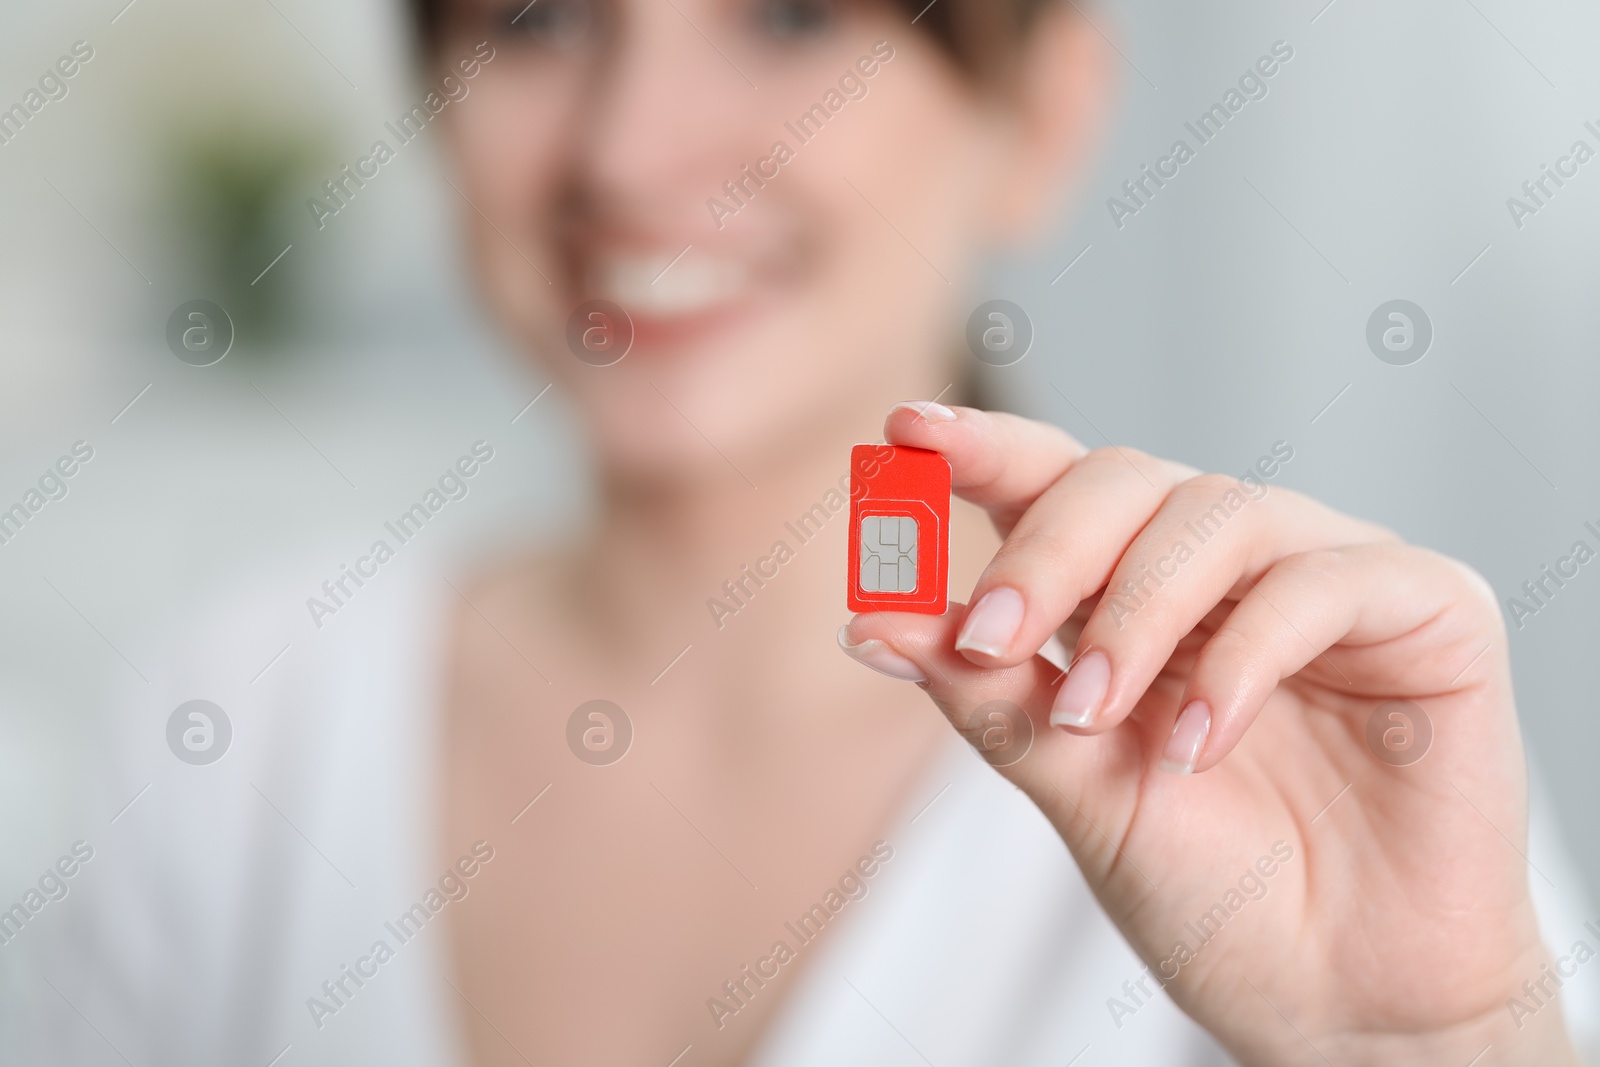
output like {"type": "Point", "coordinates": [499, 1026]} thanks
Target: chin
{"type": "Point", "coordinates": [709, 395]}
{"type": "Point", "coordinates": [665, 461]}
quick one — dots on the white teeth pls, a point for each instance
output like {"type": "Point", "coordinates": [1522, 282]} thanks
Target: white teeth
{"type": "Point", "coordinates": [645, 284]}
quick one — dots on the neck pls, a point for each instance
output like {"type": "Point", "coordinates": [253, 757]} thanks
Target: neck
{"type": "Point", "coordinates": [667, 543]}
{"type": "Point", "coordinates": [663, 553]}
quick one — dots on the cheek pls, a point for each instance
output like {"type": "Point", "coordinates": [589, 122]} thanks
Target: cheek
{"type": "Point", "coordinates": [917, 151]}
{"type": "Point", "coordinates": [508, 154]}
{"type": "Point", "coordinates": [901, 247]}
{"type": "Point", "coordinates": [510, 143]}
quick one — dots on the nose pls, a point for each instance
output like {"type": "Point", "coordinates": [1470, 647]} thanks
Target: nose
{"type": "Point", "coordinates": [669, 117]}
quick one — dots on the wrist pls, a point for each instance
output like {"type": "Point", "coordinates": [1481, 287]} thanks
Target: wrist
{"type": "Point", "coordinates": [1520, 1024]}
{"type": "Point", "coordinates": [1522, 1029]}
{"type": "Point", "coordinates": [1495, 1041]}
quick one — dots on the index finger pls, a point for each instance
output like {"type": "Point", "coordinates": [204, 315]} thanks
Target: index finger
{"type": "Point", "coordinates": [998, 461]}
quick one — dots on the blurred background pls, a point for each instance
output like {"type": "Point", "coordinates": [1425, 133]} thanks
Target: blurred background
{"type": "Point", "coordinates": [1229, 313]}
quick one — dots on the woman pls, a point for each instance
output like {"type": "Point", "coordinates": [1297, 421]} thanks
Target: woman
{"type": "Point", "coordinates": [786, 199]}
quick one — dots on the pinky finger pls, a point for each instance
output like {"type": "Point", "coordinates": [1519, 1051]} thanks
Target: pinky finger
{"type": "Point", "coordinates": [1300, 608]}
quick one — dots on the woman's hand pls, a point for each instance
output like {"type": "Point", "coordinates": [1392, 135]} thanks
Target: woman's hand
{"type": "Point", "coordinates": [1207, 756]}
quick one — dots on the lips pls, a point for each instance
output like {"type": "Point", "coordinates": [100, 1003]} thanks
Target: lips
{"type": "Point", "coordinates": [679, 280]}
{"type": "Point", "coordinates": [667, 285]}
{"type": "Point", "coordinates": [679, 297]}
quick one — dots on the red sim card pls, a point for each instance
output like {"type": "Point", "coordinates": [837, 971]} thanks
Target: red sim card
{"type": "Point", "coordinates": [899, 529]}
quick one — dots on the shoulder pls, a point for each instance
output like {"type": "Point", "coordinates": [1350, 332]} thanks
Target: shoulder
{"type": "Point", "coordinates": [524, 599]}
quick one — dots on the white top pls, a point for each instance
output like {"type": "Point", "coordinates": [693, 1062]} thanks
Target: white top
{"type": "Point", "coordinates": [220, 901]}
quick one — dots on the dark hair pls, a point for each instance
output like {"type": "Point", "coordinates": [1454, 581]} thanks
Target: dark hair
{"type": "Point", "coordinates": [979, 36]}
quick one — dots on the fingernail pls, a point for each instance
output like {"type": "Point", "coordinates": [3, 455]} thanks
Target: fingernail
{"type": "Point", "coordinates": [880, 657]}
{"type": "Point", "coordinates": [1081, 693]}
{"type": "Point", "coordinates": [993, 622]}
{"type": "Point", "coordinates": [1188, 738]}
{"type": "Point", "coordinates": [928, 410]}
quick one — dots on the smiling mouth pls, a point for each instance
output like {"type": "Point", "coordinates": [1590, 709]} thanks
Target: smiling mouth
{"type": "Point", "coordinates": [653, 284]}
{"type": "Point", "coordinates": [680, 285]}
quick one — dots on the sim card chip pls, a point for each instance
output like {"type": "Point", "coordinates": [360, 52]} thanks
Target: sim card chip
{"type": "Point", "coordinates": [888, 554]}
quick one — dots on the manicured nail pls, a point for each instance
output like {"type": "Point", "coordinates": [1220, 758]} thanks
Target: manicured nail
{"type": "Point", "coordinates": [1081, 693]}
{"type": "Point", "coordinates": [1188, 738]}
{"type": "Point", "coordinates": [928, 410]}
{"type": "Point", "coordinates": [880, 657]}
{"type": "Point", "coordinates": [993, 622]}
